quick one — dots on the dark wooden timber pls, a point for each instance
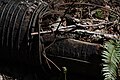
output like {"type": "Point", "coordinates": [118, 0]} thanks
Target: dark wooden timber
{"type": "Point", "coordinates": [75, 49]}
{"type": "Point", "coordinates": [77, 52]}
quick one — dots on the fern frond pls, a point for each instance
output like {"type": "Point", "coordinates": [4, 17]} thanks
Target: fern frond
{"type": "Point", "coordinates": [111, 58]}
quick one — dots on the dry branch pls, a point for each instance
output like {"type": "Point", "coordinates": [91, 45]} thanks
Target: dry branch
{"type": "Point", "coordinates": [71, 27]}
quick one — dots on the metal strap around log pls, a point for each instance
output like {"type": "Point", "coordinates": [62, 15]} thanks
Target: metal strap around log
{"type": "Point", "coordinates": [13, 29]}
{"type": "Point", "coordinates": [30, 25]}
{"type": "Point", "coordinates": [34, 17]}
{"type": "Point", "coordinates": [17, 21]}
{"type": "Point", "coordinates": [20, 29]}
{"type": "Point", "coordinates": [2, 5]}
{"type": "Point", "coordinates": [2, 20]}
{"type": "Point", "coordinates": [11, 24]}
{"type": "Point", "coordinates": [40, 12]}
{"type": "Point", "coordinates": [5, 23]}
{"type": "Point", "coordinates": [17, 27]}
{"type": "Point", "coordinates": [4, 10]}
{"type": "Point", "coordinates": [31, 21]}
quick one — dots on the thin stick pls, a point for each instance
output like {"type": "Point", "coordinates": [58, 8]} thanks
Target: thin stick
{"type": "Point", "coordinates": [68, 28]}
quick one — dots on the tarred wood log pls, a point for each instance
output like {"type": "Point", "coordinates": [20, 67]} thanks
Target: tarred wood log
{"type": "Point", "coordinates": [78, 56]}
{"type": "Point", "coordinates": [75, 49]}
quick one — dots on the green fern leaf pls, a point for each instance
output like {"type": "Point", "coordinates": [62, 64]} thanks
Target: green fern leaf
{"type": "Point", "coordinates": [111, 59]}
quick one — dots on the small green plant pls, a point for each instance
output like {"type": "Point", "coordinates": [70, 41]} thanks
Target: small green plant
{"type": "Point", "coordinates": [111, 59]}
{"type": "Point", "coordinates": [99, 14]}
{"type": "Point", "coordinates": [65, 72]}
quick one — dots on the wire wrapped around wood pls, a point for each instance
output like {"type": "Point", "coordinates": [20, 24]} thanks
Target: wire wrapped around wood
{"type": "Point", "coordinates": [18, 19]}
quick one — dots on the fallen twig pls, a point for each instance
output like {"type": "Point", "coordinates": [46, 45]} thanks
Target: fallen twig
{"type": "Point", "coordinates": [68, 28]}
{"type": "Point", "coordinates": [112, 36]}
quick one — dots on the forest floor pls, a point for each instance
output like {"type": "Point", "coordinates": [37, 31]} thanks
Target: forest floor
{"type": "Point", "coordinates": [90, 21]}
